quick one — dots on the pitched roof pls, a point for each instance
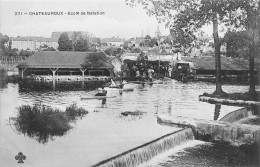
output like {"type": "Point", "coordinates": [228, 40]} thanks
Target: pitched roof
{"type": "Point", "coordinates": [62, 59]}
{"type": "Point", "coordinates": [32, 38]}
{"type": "Point", "coordinates": [113, 39]}
{"type": "Point", "coordinates": [208, 63]}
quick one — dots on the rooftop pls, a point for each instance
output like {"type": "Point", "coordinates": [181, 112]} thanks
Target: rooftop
{"type": "Point", "coordinates": [66, 59]}
{"type": "Point", "coordinates": [227, 63]}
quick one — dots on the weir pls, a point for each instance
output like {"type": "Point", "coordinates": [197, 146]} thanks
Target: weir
{"type": "Point", "coordinates": [208, 130]}
{"type": "Point", "coordinates": [237, 115]}
{"type": "Point", "coordinates": [146, 152]}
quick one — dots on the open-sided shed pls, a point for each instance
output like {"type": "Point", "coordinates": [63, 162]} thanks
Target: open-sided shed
{"type": "Point", "coordinates": [66, 63]}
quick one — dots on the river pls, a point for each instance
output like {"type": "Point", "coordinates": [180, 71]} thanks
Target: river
{"type": "Point", "coordinates": [104, 132]}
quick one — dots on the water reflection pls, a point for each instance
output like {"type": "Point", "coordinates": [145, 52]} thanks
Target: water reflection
{"type": "Point", "coordinates": [43, 123]}
{"type": "Point", "coordinates": [217, 111]}
{"type": "Point", "coordinates": [3, 78]}
{"type": "Point", "coordinates": [104, 103]}
{"type": "Point", "coordinates": [132, 115]}
{"type": "Point", "coordinates": [40, 86]}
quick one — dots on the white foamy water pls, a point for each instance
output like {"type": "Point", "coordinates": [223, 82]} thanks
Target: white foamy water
{"type": "Point", "coordinates": [164, 157]}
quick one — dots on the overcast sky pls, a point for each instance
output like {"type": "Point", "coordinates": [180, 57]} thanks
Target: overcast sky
{"type": "Point", "coordinates": [118, 20]}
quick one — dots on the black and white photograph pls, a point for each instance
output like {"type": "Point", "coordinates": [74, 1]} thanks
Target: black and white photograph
{"type": "Point", "coordinates": [129, 83]}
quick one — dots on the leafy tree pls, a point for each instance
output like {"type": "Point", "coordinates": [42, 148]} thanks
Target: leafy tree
{"type": "Point", "coordinates": [96, 42]}
{"type": "Point", "coordinates": [237, 44]}
{"type": "Point", "coordinates": [112, 51]}
{"type": "Point", "coordinates": [76, 35]}
{"type": "Point", "coordinates": [95, 59]}
{"type": "Point", "coordinates": [65, 44]}
{"type": "Point", "coordinates": [3, 39]}
{"type": "Point", "coordinates": [26, 53]}
{"type": "Point", "coordinates": [247, 17]}
{"type": "Point", "coordinates": [252, 9]}
{"type": "Point", "coordinates": [169, 40]}
{"type": "Point", "coordinates": [147, 37]}
{"type": "Point", "coordinates": [187, 16]}
{"type": "Point", "coordinates": [81, 45]}
{"type": "Point", "coordinates": [49, 49]}
{"type": "Point", "coordinates": [127, 44]}
{"type": "Point", "coordinates": [153, 42]}
{"type": "Point", "coordinates": [136, 50]}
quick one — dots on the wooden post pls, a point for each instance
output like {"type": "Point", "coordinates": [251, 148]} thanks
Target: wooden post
{"type": "Point", "coordinates": [83, 70]}
{"type": "Point", "coordinates": [53, 72]}
{"type": "Point", "coordinates": [111, 73]}
{"type": "Point", "coordinates": [23, 69]}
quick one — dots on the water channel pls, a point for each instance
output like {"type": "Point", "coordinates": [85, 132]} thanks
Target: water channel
{"type": "Point", "coordinates": [103, 132]}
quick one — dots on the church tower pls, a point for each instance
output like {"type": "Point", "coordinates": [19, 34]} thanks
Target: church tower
{"type": "Point", "coordinates": [158, 32]}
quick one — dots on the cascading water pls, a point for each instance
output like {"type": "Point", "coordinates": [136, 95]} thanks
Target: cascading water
{"type": "Point", "coordinates": [147, 151]}
{"type": "Point", "coordinates": [236, 115]}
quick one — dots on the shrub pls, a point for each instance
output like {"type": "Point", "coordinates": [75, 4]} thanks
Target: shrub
{"type": "Point", "coordinates": [42, 122]}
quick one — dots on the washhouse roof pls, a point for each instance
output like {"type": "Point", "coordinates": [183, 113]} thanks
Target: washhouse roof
{"type": "Point", "coordinates": [229, 64]}
{"type": "Point", "coordinates": [66, 59]}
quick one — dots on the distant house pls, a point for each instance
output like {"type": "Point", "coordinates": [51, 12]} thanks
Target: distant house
{"type": "Point", "coordinates": [116, 62]}
{"type": "Point", "coordinates": [23, 43]}
{"type": "Point", "coordinates": [130, 56]}
{"type": "Point", "coordinates": [58, 63]}
{"type": "Point", "coordinates": [32, 43]}
{"type": "Point", "coordinates": [39, 42]}
{"type": "Point", "coordinates": [114, 41]}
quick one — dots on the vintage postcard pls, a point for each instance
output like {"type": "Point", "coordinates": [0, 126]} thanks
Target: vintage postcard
{"type": "Point", "coordinates": [125, 83]}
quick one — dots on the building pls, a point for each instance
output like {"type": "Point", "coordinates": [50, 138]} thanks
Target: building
{"type": "Point", "coordinates": [23, 43]}
{"type": "Point", "coordinates": [40, 42]}
{"type": "Point", "coordinates": [114, 41]}
{"type": "Point", "coordinates": [116, 62]}
{"type": "Point", "coordinates": [64, 65]}
{"type": "Point", "coordinates": [32, 43]}
{"type": "Point", "coordinates": [205, 65]}
{"type": "Point", "coordinates": [130, 56]}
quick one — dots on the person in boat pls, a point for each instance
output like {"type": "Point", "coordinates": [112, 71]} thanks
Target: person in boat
{"type": "Point", "coordinates": [101, 92]}
{"type": "Point", "coordinates": [119, 84]}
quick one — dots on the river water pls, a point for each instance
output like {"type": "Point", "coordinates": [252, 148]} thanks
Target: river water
{"type": "Point", "coordinates": [104, 132]}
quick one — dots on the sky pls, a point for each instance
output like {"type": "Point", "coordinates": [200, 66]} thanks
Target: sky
{"type": "Point", "coordinates": [115, 18]}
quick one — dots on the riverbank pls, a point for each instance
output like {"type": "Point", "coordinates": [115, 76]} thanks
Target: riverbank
{"type": "Point", "coordinates": [239, 96]}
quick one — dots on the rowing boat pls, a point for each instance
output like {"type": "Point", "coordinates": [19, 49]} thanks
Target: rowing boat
{"type": "Point", "coordinates": [96, 97]}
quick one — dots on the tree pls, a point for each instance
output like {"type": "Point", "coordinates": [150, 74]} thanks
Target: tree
{"type": "Point", "coordinates": [237, 44]}
{"type": "Point", "coordinates": [147, 37]}
{"type": "Point", "coordinates": [112, 51]}
{"type": "Point", "coordinates": [96, 42]}
{"type": "Point", "coordinates": [94, 60]}
{"type": "Point", "coordinates": [76, 35]}
{"type": "Point", "coordinates": [252, 9]}
{"type": "Point", "coordinates": [187, 16]}
{"type": "Point", "coordinates": [153, 42]}
{"type": "Point", "coordinates": [136, 50]}
{"type": "Point", "coordinates": [81, 45]}
{"type": "Point", "coordinates": [127, 44]}
{"type": "Point", "coordinates": [247, 16]}
{"type": "Point", "coordinates": [3, 39]}
{"type": "Point", "coordinates": [49, 49]}
{"type": "Point", "coordinates": [65, 44]}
